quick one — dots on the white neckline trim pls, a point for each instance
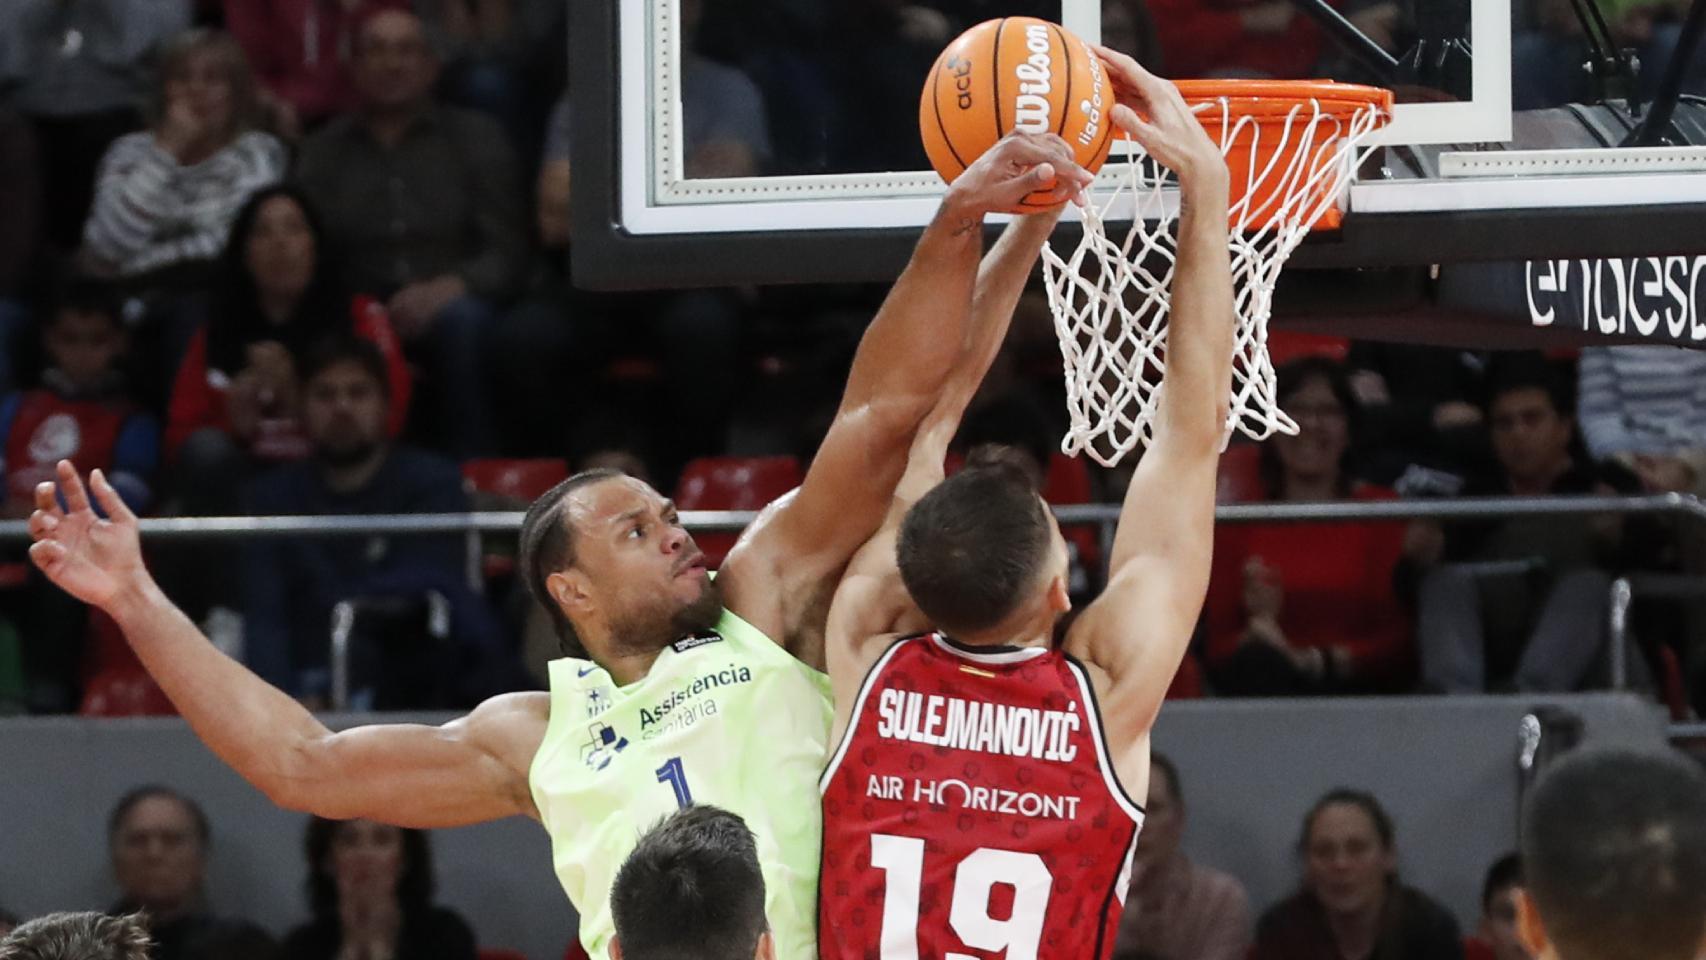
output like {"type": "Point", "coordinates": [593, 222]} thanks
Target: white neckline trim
{"type": "Point", "coordinates": [1004, 657]}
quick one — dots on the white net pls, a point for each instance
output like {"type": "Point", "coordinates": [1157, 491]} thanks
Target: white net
{"type": "Point", "coordinates": [1110, 297]}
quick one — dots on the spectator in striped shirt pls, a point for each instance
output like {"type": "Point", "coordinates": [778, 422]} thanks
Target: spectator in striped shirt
{"type": "Point", "coordinates": [165, 197]}
{"type": "Point", "coordinates": [1646, 407]}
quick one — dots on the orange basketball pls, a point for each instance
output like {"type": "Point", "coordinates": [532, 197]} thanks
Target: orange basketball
{"type": "Point", "coordinates": [1015, 73]}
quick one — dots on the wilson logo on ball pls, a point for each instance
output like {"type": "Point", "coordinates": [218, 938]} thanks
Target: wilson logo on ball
{"type": "Point", "coordinates": [1015, 74]}
{"type": "Point", "coordinates": [1030, 108]}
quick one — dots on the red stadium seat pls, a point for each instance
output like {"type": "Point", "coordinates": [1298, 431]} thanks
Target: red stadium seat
{"type": "Point", "coordinates": [522, 480]}
{"type": "Point", "coordinates": [1240, 479]}
{"type": "Point", "coordinates": [115, 683]}
{"type": "Point", "coordinates": [1285, 346]}
{"type": "Point", "coordinates": [508, 484]}
{"type": "Point", "coordinates": [733, 483]}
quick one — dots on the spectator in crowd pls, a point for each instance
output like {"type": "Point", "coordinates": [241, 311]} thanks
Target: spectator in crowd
{"type": "Point", "coordinates": [370, 893]}
{"type": "Point", "coordinates": [20, 232]}
{"type": "Point", "coordinates": [1351, 903]}
{"type": "Point", "coordinates": [1519, 602]}
{"type": "Point", "coordinates": [1308, 608]}
{"type": "Point", "coordinates": [1496, 936]}
{"type": "Point", "coordinates": [1421, 409]}
{"type": "Point", "coordinates": [77, 936]}
{"type": "Point", "coordinates": [1646, 406]}
{"type": "Point", "coordinates": [477, 42]}
{"type": "Point", "coordinates": [159, 842]}
{"type": "Point", "coordinates": [1177, 909]}
{"type": "Point", "coordinates": [80, 70]}
{"type": "Point", "coordinates": [81, 412]}
{"type": "Point", "coordinates": [292, 585]}
{"type": "Point", "coordinates": [1614, 858]}
{"type": "Point", "coordinates": [422, 202]}
{"type": "Point", "coordinates": [165, 197]}
{"type": "Point", "coordinates": [278, 292]}
{"type": "Point", "coordinates": [301, 51]}
{"type": "Point", "coordinates": [692, 890]}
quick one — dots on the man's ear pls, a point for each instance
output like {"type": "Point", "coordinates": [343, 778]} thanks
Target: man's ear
{"type": "Point", "coordinates": [615, 948]}
{"type": "Point", "coordinates": [568, 588]}
{"type": "Point", "coordinates": [1059, 596]}
{"type": "Point", "coordinates": [1528, 927]}
{"type": "Point", "coordinates": [766, 947]}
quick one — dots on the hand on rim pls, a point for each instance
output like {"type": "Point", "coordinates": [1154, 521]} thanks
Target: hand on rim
{"type": "Point", "coordinates": [1018, 165]}
{"type": "Point", "coordinates": [1153, 112]}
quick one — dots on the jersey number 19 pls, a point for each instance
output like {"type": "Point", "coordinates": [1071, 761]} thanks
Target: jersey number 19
{"type": "Point", "coordinates": [902, 861]}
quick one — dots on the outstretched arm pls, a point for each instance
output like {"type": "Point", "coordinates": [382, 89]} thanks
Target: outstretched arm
{"type": "Point", "coordinates": [465, 772]}
{"type": "Point", "coordinates": [780, 575]}
{"type": "Point", "coordinates": [1137, 630]}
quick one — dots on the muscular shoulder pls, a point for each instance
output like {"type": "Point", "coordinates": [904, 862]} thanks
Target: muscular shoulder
{"type": "Point", "coordinates": [510, 727]}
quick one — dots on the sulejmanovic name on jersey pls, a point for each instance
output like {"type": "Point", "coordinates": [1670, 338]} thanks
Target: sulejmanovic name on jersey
{"type": "Point", "coordinates": [942, 721]}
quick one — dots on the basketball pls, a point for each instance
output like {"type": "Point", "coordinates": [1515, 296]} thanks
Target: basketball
{"type": "Point", "coordinates": [1015, 73]}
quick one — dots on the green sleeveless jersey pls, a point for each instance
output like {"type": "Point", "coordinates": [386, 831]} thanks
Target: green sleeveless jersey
{"type": "Point", "coordinates": [726, 718]}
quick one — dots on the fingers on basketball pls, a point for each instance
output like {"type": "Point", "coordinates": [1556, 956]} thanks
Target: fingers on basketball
{"type": "Point", "coordinates": [1025, 74]}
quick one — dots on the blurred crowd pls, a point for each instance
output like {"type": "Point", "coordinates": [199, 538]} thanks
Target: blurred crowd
{"type": "Point", "coordinates": [308, 257]}
{"type": "Point", "coordinates": [371, 892]}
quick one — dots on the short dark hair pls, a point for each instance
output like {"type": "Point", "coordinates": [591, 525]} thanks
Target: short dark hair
{"type": "Point", "coordinates": [414, 884]}
{"type": "Point", "coordinates": [691, 890]}
{"type": "Point", "coordinates": [970, 549]}
{"type": "Point", "coordinates": [128, 802]}
{"type": "Point", "coordinates": [1614, 842]}
{"type": "Point", "coordinates": [89, 296]}
{"type": "Point", "coordinates": [1362, 800]}
{"type": "Point", "coordinates": [78, 936]}
{"type": "Point", "coordinates": [1013, 420]}
{"type": "Point", "coordinates": [1175, 789]}
{"type": "Point", "coordinates": [1505, 873]}
{"type": "Point", "coordinates": [330, 351]}
{"type": "Point", "coordinates": [548, 545]}
{"type": "Point", "coordinates": [1293, 376]}
{"type": "Point", "coordinates": [1527, 370]}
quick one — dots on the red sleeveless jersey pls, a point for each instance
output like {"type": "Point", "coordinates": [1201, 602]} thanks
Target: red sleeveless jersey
{"type": "Point", "coordinates": [971, 812]}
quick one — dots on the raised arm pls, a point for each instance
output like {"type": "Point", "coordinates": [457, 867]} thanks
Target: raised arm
{"type": "Point", "coordinates": [870, 601]}
{"type": "Point", "coordinates": [780, 575]}
{"type": "Point", "coordinates": [469, 771]}
{"type": "Point", "coordinates": [1137, 630]}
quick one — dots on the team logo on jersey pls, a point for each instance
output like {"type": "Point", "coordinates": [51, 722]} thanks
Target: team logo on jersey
{"type": "Point", "coordinates": [696, 641]}
{"type": "Point", "coordinates": [602, 746]}
{"type": "Point", "coordinates": [597, 701]}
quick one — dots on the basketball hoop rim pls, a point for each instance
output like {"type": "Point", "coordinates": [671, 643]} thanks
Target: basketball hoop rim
{"type": "Point", "coordinates": [1276, 99]}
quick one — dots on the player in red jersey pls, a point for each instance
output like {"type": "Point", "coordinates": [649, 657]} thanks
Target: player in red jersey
{"type": "Point", "coordinates": [974, 808]}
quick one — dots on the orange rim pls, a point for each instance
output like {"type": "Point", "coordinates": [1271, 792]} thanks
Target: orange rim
{"type": "Point", "coordinates": [1277, 98]}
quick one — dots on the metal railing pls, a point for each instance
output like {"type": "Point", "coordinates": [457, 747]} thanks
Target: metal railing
{"type": "Point", "coordinates": [1102, 514]}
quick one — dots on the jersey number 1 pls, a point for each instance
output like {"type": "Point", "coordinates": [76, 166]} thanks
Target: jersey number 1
{"type": "Point", "coordinates": [902, 860]}
{"type": "Point", "coordinates": [672, 774]}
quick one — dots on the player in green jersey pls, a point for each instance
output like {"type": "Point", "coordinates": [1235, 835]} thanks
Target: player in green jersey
{"type": "Point", "coordinates": [690, 690]}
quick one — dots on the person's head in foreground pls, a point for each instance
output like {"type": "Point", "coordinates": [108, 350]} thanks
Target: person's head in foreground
{"type": "Point", "coordinates": [78, 936]}
{"type": "Point", "coordinates": [983, 557]}
{"type": "Point", "coordinates": [692, 890]}
{"type": "Point", "coordinates": [1499, 896]}
{"type": "Point", "coordinates": [608, 558]}
{"type": "Point", "coordinates": [1614, 858]}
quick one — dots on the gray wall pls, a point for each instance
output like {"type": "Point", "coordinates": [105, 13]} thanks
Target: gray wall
{"type": "Point", "coordinates": [1446, 768]}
